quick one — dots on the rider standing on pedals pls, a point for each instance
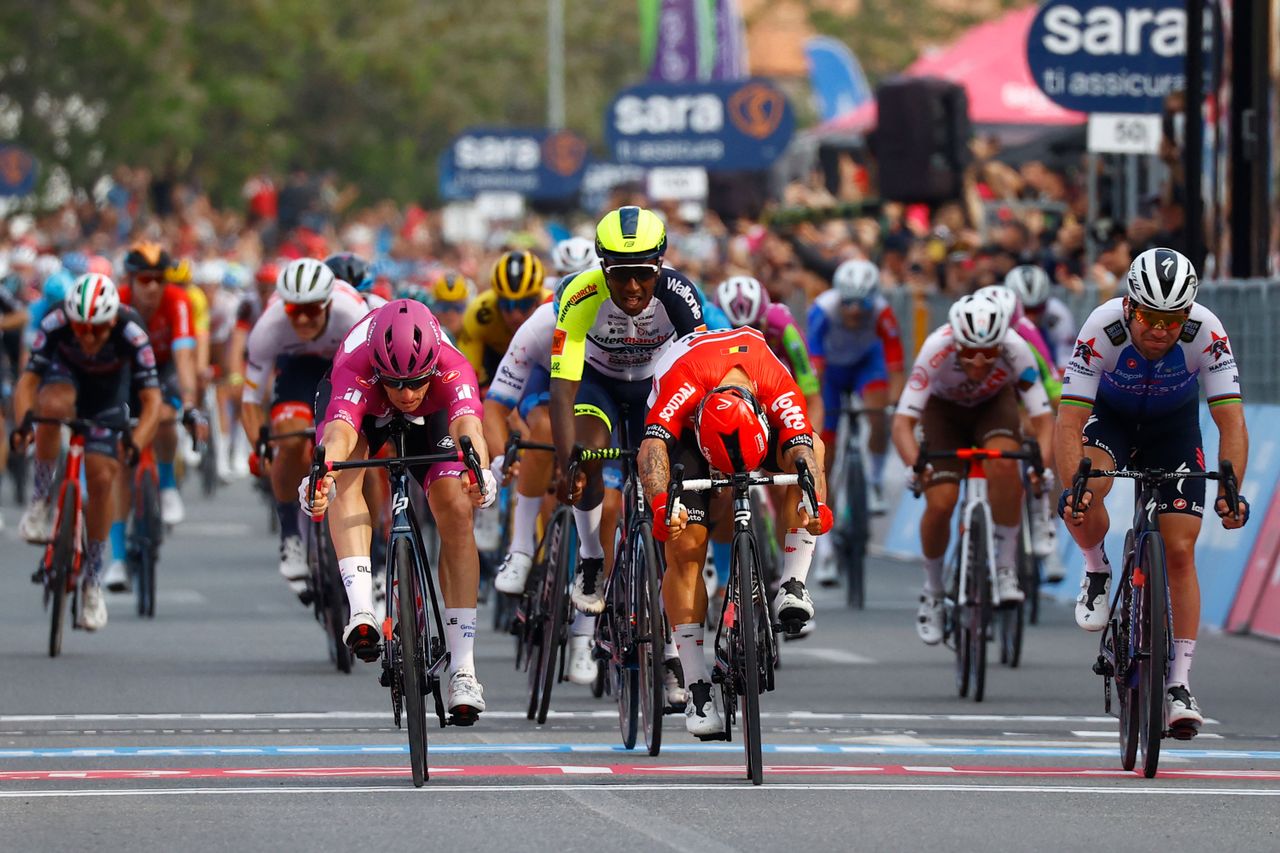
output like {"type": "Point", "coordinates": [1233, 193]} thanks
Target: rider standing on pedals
{"type": "Point", "coordinates": [87, 359]}
{"type": "Point", "coordinates": [965, 386]}
{"type": "Point", "coordinates": [1131, 397]}
{"type": "Point", "coordinates": [396, 363]}
{"type": "Point", "coordinates": [295, 340]}
{"type": "Point", "coordinates": [723, 402]}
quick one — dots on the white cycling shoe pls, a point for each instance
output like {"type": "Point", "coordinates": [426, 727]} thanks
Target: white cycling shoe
{"type": "Point", "coordinates": [172, 510]}
{"type": "Point", "coordinates": [116, 577]}
{"type": "Point", "coordinates": [1181, 712]}
{"type": "Point", "coordinates": [93, 607]}
{"type": "Point", "coordinates": [1093, 605]}
{"type": "Point", "coordinates": [792, 606]}
{"type": "Point", "coordinates": [588, 586]}
{"type": "Point", "coordinates": [582, 663]}
{"type": "Point", "coordinates": [466, 697]}
{"type": "Point", "coordinates": [876, 504]}
{"type": "Point", "coordinates": [293, 563]}
{"type": "Point", "coordinates": [929, 619]}
{"type": "Point", "coordinates": [36, 524]}
{"type": "Point", "coordinates": [1007, 589]}
{"type": "Point", "coordinates": [362, 636]}
{"type": "Point", "coordinates": [701, 715]}
{"type": "Point", "coordinates": [513, 574]}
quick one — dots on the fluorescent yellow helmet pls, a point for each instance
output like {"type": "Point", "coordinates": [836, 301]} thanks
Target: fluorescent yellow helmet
{"type": "Point", "coordinates": [630, 235]}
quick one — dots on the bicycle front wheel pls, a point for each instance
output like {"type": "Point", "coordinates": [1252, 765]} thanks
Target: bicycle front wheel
{"type": "Point", "coordinates": [858, 529]}
{"type": "Point", "coordinates": [745, 578]}
{"type": "Point", "coordinates": [979, 614]}
{"type": "Point", "coordinates": [652, 637]}
{"type": "Point", "coordinates": [619, 608]}
{"type": "Point", "coordinates": [556, 615]}
{"type": "Point", "coordinates": [1155, 642]}
{"type": "Point", "coordinates": [64, 553]}
{"type": "Point", "coordinates": [411, 659]}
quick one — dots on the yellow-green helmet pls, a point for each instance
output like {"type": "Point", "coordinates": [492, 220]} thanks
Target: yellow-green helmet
{"type": "Point", "coordinates": [630, 235]}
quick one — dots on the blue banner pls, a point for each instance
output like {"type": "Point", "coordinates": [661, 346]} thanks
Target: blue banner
{"type": "Point", "coordinates": [721, 126]}
{"type": "Point", "coordinates": [18, 171]}
{"type": "Point", "coordinates": [538, 163]}
{"type": "Point", "coordinates": [838, 83]}
{"type": "Point", "coordinates": [1114, 56]}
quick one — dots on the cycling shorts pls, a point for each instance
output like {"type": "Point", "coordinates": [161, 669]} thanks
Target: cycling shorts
{"type": "Point", "coordinates": [298, 379]}
{"type": "Point", "coordinates": [1168, 443]}
{"type": "Point", "coordinates": [951, 426]}
{"type": "Point", "coordinates": [537, 391]}
{"type": "Point", "coordinates": [98, 398]}
{"type": "Point", "coordinates": [869, 373]}
{"type": "Point", "coordinates": [432, 436]}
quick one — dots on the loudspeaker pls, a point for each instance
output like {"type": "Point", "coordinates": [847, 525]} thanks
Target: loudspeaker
{"type": "Point", "coordinates": [922, 139]}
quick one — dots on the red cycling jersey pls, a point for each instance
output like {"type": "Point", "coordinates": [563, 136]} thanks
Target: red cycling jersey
{"type": "Point", "coordinates": [697, 363]}
{"type": "Point", "coordinates": [169, 326]}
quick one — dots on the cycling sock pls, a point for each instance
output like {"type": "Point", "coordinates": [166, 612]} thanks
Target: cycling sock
{"type": "Point", "coordinates": [797, 553]}
{"type": "Point", "coordinates": [168, 480]}
{"type": "Point", "coordinates": [689, 646]}
{"type": "Point", "coordinates": [669, 649]}
{"type": "Point", "coordinates": [460, 633]}
{"type": "Point", "coordinates": [41, 478]}
{"type": "Point", "coordinates": [93, 559]}
{"type": "Point", "coordinates": [933, 574]}
{"type": "Point", "coordinates": [588, 524]}
{"type": "Point", "coordinates": [877, 468]}
{"type": "Point", "coordinates": [1006, 536]}
{"type": "Point", "coordinates": [357, 577]}
{"type": "Point", "coordinates": [1095, 559]}
{"type": "Point", "coordinates": [720, 552]}
{"type": "Point", "coordinates": [1180, 666]}
{"type": "Point", "coordinates": [119, 545]}
{"type": "Point", "coordinates": [524, 523]}
{"type": "Point", "coordinates": [287, 512]}
{"type": "Point", "coordinates": [583, 625]}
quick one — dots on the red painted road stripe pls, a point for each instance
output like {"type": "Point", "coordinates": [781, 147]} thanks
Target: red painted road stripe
{"type": "Point", "coordinates": [650, 770]}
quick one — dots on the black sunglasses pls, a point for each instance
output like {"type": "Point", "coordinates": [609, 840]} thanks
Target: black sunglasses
{"type": "Point", "coordinates": [411, 384]}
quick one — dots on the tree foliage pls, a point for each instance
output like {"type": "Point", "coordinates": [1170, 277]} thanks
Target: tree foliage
{"type": "Point", "coordinates": [217, 90]}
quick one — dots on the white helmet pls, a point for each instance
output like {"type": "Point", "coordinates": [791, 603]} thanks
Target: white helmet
{"type": "Point", "coordinates": [1030, 284]}
{"type": "Point", "coordinates": [977, 321]}
{"type": "Point", "coordinates": [47, 265]}
{"type": "Point", "coordinates": [305, 280]}
{"type": "Point", "coordinates": [1163, 280]}
{"type": "Point", "coordinates": [93, 299]}
{"type": "Point", "coordinates": [743, 300]}
{"type": "Point", "coordinates": [1004, 297]}
{"type": "Point", "coordinates": [856, 280]}
{"type": "Point", "coordinates": [210, 273]}
{"type": "Point", "coordinates": [572, 255]}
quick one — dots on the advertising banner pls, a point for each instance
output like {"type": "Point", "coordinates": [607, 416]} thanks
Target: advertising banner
{"type": "Point", "coordinates": [535, 163]}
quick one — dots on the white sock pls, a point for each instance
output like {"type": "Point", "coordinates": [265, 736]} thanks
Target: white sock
{"type": "Point", "coordinates": [877, 468]}
{"type": "Point", "coordinates": [1095, 560]}
{"type": "Point", "coordinates": [524, 523]}
{"type": "Point", "coordinates": [689, 646]}
{"type": "Point", "coordinates": [588, 524]}
{"type": "Point", "coordinates": [583, 625]}
{"type": "Point", "coordinates": [933, 574]}
{"type": "Point", "coordinates": [460, 634]}
{"type": "Point", "coordinates": [1180, 666]}
{"type": "Point", "coordinates": [797, 553]}
{"type": "Point", "coordinates": [1006, 546]}
{"type": "Point", "coordinates": [357, 577]}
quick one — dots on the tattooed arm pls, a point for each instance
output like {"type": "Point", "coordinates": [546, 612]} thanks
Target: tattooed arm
{"type": "Point", "coordinates": [804, 453]}
{"type": "Point", "coordinates": [655, 467]}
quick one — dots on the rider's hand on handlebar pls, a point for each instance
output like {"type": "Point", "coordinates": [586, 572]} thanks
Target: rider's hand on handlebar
{"type": "Point", "coordinates": [817, 526]}
{"type": "Point", "coordinates": [567, 492]}
{"type": "Point", "coordinates": [484, 493]}
{"type": "Point", "coordinates": [1229, 521]}
{"type": "Point", "coordinates": [666, 526]}
{"type": "Point", "coordinates": [257, 465]}
{"type": "Point", "coordinates": [197, 424]}
{"type": "Point", "coordinates": [917, 482]}
{"type": "Point", "coordinates": [1069, 512]}
{"type": "Point", "coordinates": [19, 439]}
{"type": "Point", "coordinates": [326, 491]}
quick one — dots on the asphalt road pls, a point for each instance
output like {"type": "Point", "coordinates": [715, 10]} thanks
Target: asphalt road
{"type": "Point", "coordinates": [221, 725]}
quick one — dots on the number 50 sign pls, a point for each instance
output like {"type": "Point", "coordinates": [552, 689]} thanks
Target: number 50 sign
{"type": "Point", "coordinates": [1124, 133]}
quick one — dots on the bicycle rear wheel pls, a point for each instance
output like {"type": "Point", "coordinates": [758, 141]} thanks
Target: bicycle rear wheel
{"type": "Point", "coordinates": [64, 553]}
{"type": "Point", "coordinates": [556, 615]}
{"type": "Point", "coordinates": [1155, 641]}
{"type": "Point", "coordinates": [411, 659]}
{"type": "Point", "coordinates": [652, 635]}
{"type": "Point", "coordinates": [979, 580]}
{"type": "Point", "coordinates": [146, 531]}
{"type": "Point", "coordinates": [853, 554]}
{"type": "Point", "coordinates": [625, 675]}
{"type": "Point", "coordinates": [1126, 692]}
{"type": "Point", "coordinates": [744, 574]}
{"type": "Point", "coordinates": [336, 609]}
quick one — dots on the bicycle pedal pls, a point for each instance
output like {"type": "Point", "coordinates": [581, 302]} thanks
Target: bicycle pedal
{"type": "Point", "coordinates": [463, 715]}
{"type": "Point", "coordinates": [1182, 731]}
{"type": "Point", "coordinates": [713, 737]}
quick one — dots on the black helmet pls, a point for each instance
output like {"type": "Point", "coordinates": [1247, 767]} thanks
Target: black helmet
{"type": "Point", "coordinates": [351, 268]}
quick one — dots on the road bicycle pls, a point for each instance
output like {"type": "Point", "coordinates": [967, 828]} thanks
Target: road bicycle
{"type": "Point", "coordinates": [746, 645]}
{"type": "Point", "coordinates": [414, 653]}
{"type": "Point", "coordinates": [852, 530]}
{"type": "Point", "coordinates": [968, 607]}
{"type": "Point", "coordinates": [1136, 645]}
{"type": "Point", "coordinates": [146, 530]}
{"type": "Point", "coordinates": [1011, 621]}
{"type": "Point", "coordinates": [632, 632]}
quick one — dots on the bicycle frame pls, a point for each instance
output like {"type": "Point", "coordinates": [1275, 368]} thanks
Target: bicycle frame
{"type": "Point", "coordinates": [975, 504]}
{"type": "Point", "coordinates": [70, 480]}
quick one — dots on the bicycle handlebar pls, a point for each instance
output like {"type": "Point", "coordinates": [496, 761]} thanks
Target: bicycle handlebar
{"type": "Point", "coordinates": [803, 478]}
{"type": "Point", "coordinates": [1226, 474]}
{"type": "Point", "coordinates": [266, 438]}
{"type": "Point", "coordinates": [513, 444]}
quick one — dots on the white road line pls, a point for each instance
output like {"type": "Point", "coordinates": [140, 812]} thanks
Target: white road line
{"type": "Point", "coordinates": [831, 655]}
{"type": "Point", "coordinates": [586, 788]}
{"type": "Point", "coordinates": [1109, 735]}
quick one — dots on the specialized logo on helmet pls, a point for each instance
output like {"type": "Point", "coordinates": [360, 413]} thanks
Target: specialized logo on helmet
{"type": "Point", "coordinates": [564, 152]}
{"type": "Point", "coordinates": [1218, 347]}
{"type": "Point", "coordinates": [757, 109]}
{"type": "Point", "coordinates": [1086, 352]}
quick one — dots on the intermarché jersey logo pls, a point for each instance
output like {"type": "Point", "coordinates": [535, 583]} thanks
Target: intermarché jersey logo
{"type": "Point", "coordinates": [756, 109]}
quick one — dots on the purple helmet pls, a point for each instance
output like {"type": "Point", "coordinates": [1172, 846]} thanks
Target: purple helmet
{"type": "Point", "coordinates": [405, 340]}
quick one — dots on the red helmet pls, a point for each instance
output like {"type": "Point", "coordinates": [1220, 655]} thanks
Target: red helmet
{"type": "Point", "coordinates": [267, 273]}
{"type": "Point", "coordinates": [731, 430]}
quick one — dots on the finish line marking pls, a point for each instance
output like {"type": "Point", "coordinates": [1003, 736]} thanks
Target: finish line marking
{"type": "Point", "coordinates": [650, 770]}
{"type": "Point", "coordinates": [1084, 751]}
{"type": "Point", "coordinates": [585, 789]}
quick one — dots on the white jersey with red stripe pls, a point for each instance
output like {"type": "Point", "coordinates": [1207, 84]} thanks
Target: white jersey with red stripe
{"type": "Point", "coordinates": [937, 372]}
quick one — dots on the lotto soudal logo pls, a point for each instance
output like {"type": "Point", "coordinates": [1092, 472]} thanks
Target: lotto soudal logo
{"type": "Point", "coordinates": [789, 411]}
{"type": "Point", "coordinates": [681, 396]}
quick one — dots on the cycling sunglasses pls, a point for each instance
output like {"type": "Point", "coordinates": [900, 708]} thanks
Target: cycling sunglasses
{"type": "Point", "coordinates": [979, 355]}
{"type": "Point", "coordinates": [149, 278]}
{"type": "Point", "coordinates": [622, 273]}
{"type": "Point", "coordinates": [413, 383]}
{"type": "Point", "coordinates": [526, 304]}
{"type": "Point", "coordinates": [310, 310]}
{"type": "Point", "coordinates": [90, 330]}
{"type": "Point", "coordinates": [1172, 320]}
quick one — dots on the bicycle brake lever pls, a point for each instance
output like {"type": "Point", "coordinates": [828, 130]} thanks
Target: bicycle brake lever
{"type": "Point", "coordinates": [1230, 488]}
{"type": "Point", "coordinates": [471, 459]}
{"type": "Point", "coordinates": [808, 490]}
{"type": "Point", "coordinates": [1079, 485]}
